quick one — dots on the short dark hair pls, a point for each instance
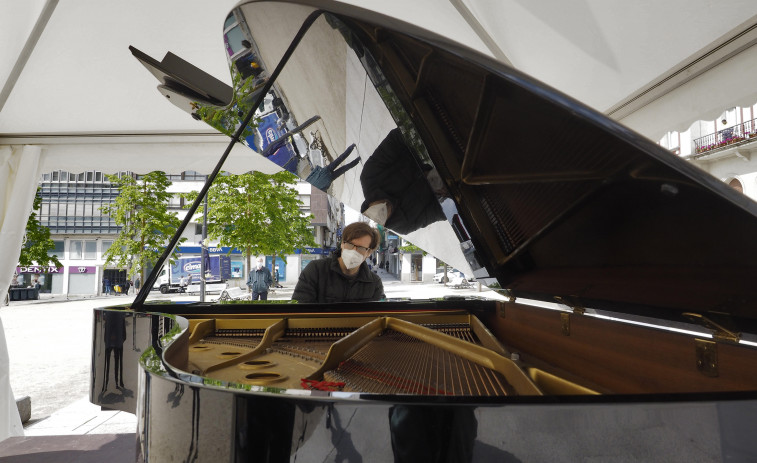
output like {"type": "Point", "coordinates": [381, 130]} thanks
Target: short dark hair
{"type": "Point", "coordinates": [358, 230]}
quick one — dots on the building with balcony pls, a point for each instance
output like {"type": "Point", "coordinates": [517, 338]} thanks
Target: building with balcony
{"type": "Point", "coordinates": [725, 147]}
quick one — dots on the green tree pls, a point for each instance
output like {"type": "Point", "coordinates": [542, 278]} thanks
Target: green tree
{"type": "Point", "coordinates": [146, 225]}
{"type": "Point", "coordinates": [227, 119]}
{"type": "Point", "coordinates": [411, 248]}
{"type": "Point", "coordinates": [257, 213]}
{"type": "Point", "coordinates": [37, 242]}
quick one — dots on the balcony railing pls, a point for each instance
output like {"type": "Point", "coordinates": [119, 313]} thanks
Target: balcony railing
{"type": "Point", "coordinates": [728, 136]}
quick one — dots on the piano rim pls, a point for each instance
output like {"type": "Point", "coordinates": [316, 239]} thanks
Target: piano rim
{"type": "Point", "coordinates": [179, 335]}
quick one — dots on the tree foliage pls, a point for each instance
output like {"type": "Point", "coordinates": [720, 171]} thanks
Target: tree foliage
{"type": "Point", "coordinates": [410, 248]}
{"type": "Point", "coordinates": [37, 243]}
{"type": "Point", "coordinates": [257, 213]}
{"type": "Point", "coordinates": [227, 119]}
{"type": "Point", "coordinates": [146, 225]}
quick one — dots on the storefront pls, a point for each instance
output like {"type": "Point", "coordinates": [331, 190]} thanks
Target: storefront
{"type": "Point", "coordinates": [308, 255]}
{"type": "Point", "coordinates": [281, 268]}
{"type": "Point", "coordinates": [305, 259]}
{"type": "Point", "coordinates": [302, 258]}
{"type": "Point", "coordinates": [236, 257]}
{"type": "Point", "coordinates": [49, 279]}
{"type": "Point", "coordinates": [82, 279]}
{"type": "Point", "coordinates": [391, 257]}
{"type": "Point", "coordinates": [416, 267]}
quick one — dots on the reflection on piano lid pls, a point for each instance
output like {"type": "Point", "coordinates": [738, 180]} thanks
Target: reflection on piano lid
{"type": "Point", "coordinates": [599, 237]}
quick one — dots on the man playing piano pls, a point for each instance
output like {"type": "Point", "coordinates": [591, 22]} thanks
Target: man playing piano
{"type": "Point", "coordinates": [344, 277]}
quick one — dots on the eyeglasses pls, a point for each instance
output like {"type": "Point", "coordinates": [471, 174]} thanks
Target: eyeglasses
{"type": "Point", "coordinates": [360, 249]}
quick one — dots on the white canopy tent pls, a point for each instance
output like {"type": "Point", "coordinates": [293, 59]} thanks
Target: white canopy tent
{"type": "Point", "coordinates": [73, 98]}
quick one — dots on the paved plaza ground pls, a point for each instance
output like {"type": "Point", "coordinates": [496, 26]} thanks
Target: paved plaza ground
{"type": "Point", "coordinates": [50, 340]}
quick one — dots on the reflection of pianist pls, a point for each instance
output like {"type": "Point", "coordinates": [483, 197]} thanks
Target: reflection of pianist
{"type": "Point", "coordinates": [437, 434]}
{"type": "Point", "coordinates": [115, 335]}
{"type": "Point", "coordinates": [397, 192]}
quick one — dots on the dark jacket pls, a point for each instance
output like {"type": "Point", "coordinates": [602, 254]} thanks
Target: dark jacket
{"type": "Point", "coordinates": [259, 280]}
{"type": "Point", "coordinates": [391, 173]}
{"type": "Point", "coordinates": [323, 281]}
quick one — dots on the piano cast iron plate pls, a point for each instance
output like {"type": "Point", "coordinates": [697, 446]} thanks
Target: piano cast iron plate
{"type": "Point", "coordinates": [430, 356]}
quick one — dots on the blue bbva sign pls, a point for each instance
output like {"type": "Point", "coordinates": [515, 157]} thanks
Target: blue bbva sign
{"type": "Point", "coordinates": [308, 250]}
{"type": "Point", "coordinates": [211, 250]}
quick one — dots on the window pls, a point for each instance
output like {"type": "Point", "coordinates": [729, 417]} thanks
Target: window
{"type": "Point", "coordinates": [175, 201]}
{"type": "Point", "coordinates": [106, 244]}
{"type": "Point", "coordinates": [192, 175]}
{"type": "Point", "coordinates": [75, 207]}
{"type": "Point", "coordinates": [75, 249]}
{"type": "Point", "coordinates": [79, 249]}
{"type": "Point", "coordinates": [230, 20]}
{"type": "Point", "coordinates": [233, 39]}
{"type": "Point", "coordinates": [57, 249]}
{"type": "Point", "coordinates": [90, 249]}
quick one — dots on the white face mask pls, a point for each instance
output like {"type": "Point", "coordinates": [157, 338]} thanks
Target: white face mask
{"type": "Point", "coordinates": [352, 258]}
{"type": "Point", "coordinates": [378, 212]}
{"type": "Point", "coordinates": [437, 185]}
{"type": "Point", "coordinates": [260, 265]}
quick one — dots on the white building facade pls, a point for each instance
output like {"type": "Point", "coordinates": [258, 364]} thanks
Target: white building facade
{"type": "Point", "coordinates": [725, 147]}
{"type": "Point", "coordinates": [82, 233]}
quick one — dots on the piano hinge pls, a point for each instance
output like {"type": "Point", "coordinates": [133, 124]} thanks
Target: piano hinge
{"type": "Point", "coordinates": [721, 333]}
{"type": "Point", "coordinates": [577, 307]}
{"type": "Point", "coordinates": [707, 357]}
{"type": "Point", "coordinates": [501, 309]}
{"type": "Point", "coordinates": [565, 319]}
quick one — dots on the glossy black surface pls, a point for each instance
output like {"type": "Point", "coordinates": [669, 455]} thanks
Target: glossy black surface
{"type": "Point", "coordinates": [193, 419]}
{"type": "Point", "coordinates": [119, 338]}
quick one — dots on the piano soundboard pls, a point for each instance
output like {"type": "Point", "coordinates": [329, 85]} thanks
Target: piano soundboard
{"type": "Point", "coordinates": [452, 354]}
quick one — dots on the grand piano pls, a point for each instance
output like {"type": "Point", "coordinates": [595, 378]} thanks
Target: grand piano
{"type": "Point", "coordinates": [625, 324]}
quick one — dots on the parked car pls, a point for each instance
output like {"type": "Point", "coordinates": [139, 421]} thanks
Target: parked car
{"type": "Point", "coordinates": [457, 279]}
{"type": "Point", "coordinates": [453, 276]}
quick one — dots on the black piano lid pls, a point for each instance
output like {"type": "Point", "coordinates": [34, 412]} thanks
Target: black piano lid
{"type": "Point", "coordinates": [563, 203]}
{"type": "Point", "coordinates": [560, 202]}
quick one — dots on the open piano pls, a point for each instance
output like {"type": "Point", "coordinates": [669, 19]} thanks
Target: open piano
{"type": "Point", "coordinates": [625, 327]}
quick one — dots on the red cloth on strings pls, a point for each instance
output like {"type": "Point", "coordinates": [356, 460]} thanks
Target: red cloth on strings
{"type": "Point", "coordinates": [321, 385]}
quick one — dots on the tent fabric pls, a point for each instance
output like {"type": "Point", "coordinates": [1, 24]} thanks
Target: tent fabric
{"type": "Point", "coordinates": [172, 154]}
{"type": "Point", "coordinates": [10, 420]}
{"type": "Point", "coordinates": [19, 174]}
{"type": "Point", "coordinates": [601, 53]}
